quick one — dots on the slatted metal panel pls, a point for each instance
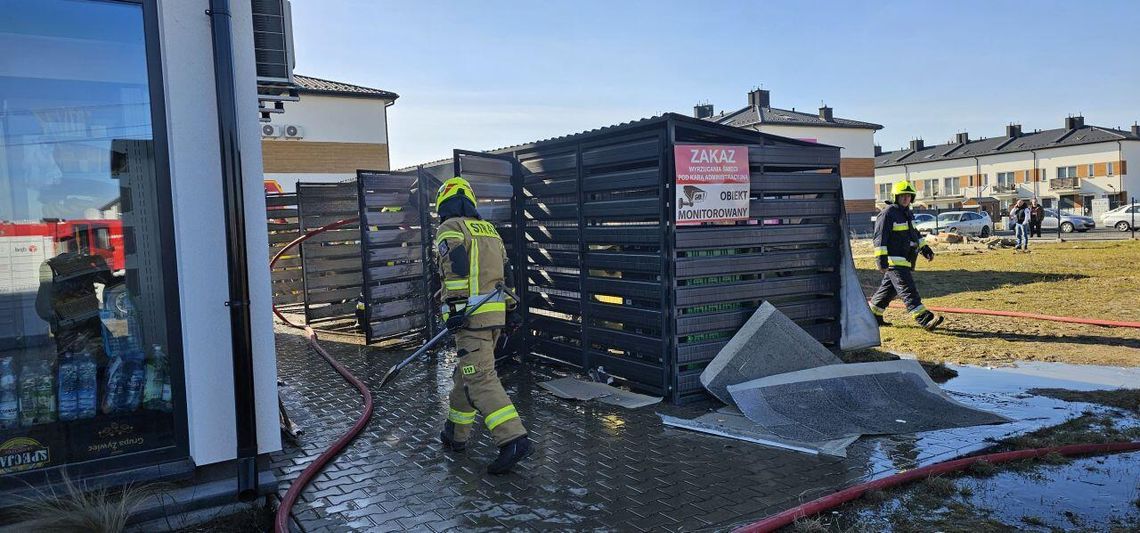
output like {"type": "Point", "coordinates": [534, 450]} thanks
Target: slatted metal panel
{"type": "Point", "coordinates": [331, 260]}
{"type": "Point", "coordinates": [394, 270]}
{"type": "Point", "coordinates": [281, 220]}
{"type": "Point", "coordinates": [786, 254]}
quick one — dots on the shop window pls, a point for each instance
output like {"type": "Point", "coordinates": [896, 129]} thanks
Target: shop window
{"type": "Point", "coordinates": [87, 366]}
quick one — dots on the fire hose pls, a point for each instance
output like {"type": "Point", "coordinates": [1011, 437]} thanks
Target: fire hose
{"type": "Point", "coordinates": [281, 522]}
{"type": "Point", "coordinates": [1033, 316]}
{"type": "Point", "coordinates": [832, 501]}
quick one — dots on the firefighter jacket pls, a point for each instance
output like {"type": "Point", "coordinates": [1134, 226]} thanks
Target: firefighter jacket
{"type": "Point", "coordinates": [471, 257]}
{"type": "Point", "coordinates": [897, 243]}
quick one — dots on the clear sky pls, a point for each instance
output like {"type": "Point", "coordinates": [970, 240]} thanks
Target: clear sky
{"type": "Point", "coordinates": [485, 74]}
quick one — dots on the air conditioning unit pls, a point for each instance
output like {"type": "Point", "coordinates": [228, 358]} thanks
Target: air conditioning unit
{"type": "Point", "coordinates": [271, 130]}
{"type": "Point", "coordinates": [293, 131]}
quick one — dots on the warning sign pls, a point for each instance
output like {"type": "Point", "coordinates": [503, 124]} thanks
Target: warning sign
{"type": "Point", "coordinates": [712, 183]}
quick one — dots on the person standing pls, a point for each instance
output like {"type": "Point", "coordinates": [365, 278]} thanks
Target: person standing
{"type": "Point", "coordinates": [897, 247]}
{"type": "Point", "coordinates": [1021, 216]}
{"type": "Point", "coordinates": [1036, 217]}
{"type": "Point", "coordinates": [472, 262]}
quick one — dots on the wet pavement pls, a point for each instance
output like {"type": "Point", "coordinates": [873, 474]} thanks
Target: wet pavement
{"type": "Point", "coordinates": [596, 466]}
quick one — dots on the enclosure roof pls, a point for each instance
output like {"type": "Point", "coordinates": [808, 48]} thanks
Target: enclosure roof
{"type": "Point", "coordinates": [679, 119]}
{"type": "Point", "coordinates": [311, 85]}
{"type": "Point", "coordinates": [755, 115]}
{"type": "Point", "coordinates": [1004, 145]}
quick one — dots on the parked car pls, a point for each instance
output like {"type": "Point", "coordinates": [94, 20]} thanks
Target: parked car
{"type": "Point", "coordinates": [1069, 223]}
{"type": "Point", "coordinates": [959, 222]}
{"type": "Point", "coordinates": [1121, 217]}
{"type": "Point", "coordinates": [919, 217]}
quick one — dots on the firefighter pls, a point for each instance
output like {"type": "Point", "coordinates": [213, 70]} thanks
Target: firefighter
{"type": "Point", "coordinates": [897, 247]}
{"type": "Point", "coordinates": [471, 261]}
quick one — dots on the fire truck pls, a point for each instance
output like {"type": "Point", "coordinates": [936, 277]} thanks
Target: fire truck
{"type": "Point", "coordinates": [99, 237]}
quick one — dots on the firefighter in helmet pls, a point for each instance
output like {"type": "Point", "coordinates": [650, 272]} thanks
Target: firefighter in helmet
{"type": "Point", "coordinates": [472, 261]}
{"type": "Point", "coordinates": [897, 247]}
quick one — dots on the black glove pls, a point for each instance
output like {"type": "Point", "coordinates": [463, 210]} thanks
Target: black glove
{"type": "Point", "coordinates": [927, 253]}
{"type": "Point", "coordinates": [514, 319]}
{"type": "Point", "coordinates": [456, 322]}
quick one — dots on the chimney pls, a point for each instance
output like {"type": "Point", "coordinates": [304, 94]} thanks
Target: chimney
{"type": "Point", "coordinates": [962, 138]}
{"type": "Point", "coordinates": [703, 110]}
{"type": "Point", "coordinates": [1072, 123]}
{"type": "Point", "coordinates": [825, 114]}
{"type": "Point", "coordinates": [916, 145]}
{"type": "Point", "coordinates": [1013, 130]}
{"type": "Point", "coordinates": [878, 150]}
{"type": "Point", "coordinates": [1136, 129]}
{"type": "Point", "coordinates": [759, 98]}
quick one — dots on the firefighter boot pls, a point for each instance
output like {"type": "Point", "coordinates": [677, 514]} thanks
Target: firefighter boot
{"type": "Point", "coordinates": [447, 437]}
{"type": "Point", "coordinates": [928, 320]}
{"type": "Point", "coordinates": [879, 320]}
{"type": "Point", "coordinates": [509, 454]}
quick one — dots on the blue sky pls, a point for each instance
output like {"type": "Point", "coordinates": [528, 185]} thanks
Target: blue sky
{"type": "Point", "coordinates": [486, 74]}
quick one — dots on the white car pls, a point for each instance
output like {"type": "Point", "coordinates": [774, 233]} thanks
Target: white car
{"type": "Point", "coordinates": [1121, 218]}
{"type": "Point", "coordinates": [959, 222]}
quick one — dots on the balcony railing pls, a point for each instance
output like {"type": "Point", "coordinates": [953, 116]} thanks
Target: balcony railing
{"type": "Point", "coordinates": [1065, 184]}
{"type": "Point", "coordinates": [1005, 189]}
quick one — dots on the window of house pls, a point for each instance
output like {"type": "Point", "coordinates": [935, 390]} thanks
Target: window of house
{"type": "Point", "coordinates": [1092, 171]}
{"type": "Point", "coordinates": [884, 191]}
{"type": "Point", "coordinates": [1111, 168]}
{"type": "Point", "coordinates": [1067, 172]}
{"type": "Point", "coordinates": [1005, 179]}
{"type": "Point", "coordinates": [89, 370]}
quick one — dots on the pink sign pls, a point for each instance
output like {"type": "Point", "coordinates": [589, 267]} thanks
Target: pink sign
{"type": "Point", "coordinates": [712, 183]}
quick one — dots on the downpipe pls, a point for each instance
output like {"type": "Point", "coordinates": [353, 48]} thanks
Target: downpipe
{"type": "Point", "coordinates": [245, 413]}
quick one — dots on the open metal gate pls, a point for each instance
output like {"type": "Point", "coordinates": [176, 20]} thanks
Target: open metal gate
{"type": "Point", "coordinates": [330, 260]}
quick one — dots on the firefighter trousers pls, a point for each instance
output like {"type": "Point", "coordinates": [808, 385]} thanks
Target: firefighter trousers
{"type": "Point", "coordinates": [898, 282]}
{"type": "Point", "coordinates": [477, 389]}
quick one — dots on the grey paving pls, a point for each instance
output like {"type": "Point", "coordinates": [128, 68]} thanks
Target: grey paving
{"type": "Point", "coordinates": [596, 466]}
{"type": "Point", "coordinates": [769, 343]}
{"type": "Point", "coordinates": [825, 404]}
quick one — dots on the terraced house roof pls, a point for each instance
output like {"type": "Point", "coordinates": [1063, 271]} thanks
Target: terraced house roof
{"type": "Point", "coordinates": [1004, 145]}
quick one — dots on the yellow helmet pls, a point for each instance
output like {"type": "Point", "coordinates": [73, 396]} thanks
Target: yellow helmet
{"type": "Point", "coordinates": [902, 187]}
{"type": "Point", "coordinates": [452, 187]}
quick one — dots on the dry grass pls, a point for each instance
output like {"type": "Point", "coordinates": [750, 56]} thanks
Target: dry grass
{"type": "Point", "coordinates": [1080, 279]}
{"type": "Point", "coordinates": [1127, 399]}
{"type": "Point", "coordinates": [72, 507]}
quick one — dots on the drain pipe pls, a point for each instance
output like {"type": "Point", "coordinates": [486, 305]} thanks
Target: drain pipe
{"type": "Point", "coordinates": [245, 413]}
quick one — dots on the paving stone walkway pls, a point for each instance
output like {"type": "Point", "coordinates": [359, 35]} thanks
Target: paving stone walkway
{"type": "Point", "coordinates": [596, 466]}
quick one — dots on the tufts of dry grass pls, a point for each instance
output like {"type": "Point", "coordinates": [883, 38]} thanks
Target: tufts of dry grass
{"type": "Point", "coordinates": [72, 507]}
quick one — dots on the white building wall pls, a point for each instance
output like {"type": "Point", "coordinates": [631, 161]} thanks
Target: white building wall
{"type": "Point", "coordinates": [337, 119]}
{"type": "Point", "coordinates": [855, 143]}
{"type": "Point", "coordinates": [200, 241]}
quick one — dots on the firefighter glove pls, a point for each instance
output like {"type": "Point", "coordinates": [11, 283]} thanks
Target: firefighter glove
{"type": "Point", "coordinates": [456, 322]}
{"type": "Point", "coordinates": [927, 253]}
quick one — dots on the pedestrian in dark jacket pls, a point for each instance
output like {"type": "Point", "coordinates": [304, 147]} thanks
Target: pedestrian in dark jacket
{"type": "Point", "coordinates": [1036, 217]}
{"type": "Point", "coordinates": [897, 247]}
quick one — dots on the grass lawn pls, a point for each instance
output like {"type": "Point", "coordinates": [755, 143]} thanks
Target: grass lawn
{"type": "Point", "coordinates": [1078, 279]}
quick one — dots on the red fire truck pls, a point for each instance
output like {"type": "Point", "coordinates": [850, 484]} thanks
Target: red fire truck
{"type": "Point", "coordinates": [93, 237]}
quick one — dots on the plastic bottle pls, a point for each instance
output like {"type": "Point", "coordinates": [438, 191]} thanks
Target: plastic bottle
{"type": "Point", "coordinates": [156, 394]}
{"type": "Point", "coordinates": [29, 407]}
{"type": "Point", "coordinates": [136, 377]}
{"type": "Point", "coordinates": [68, 386]}
{"type": "Point", "coordinates": [88, 385]}
{"type": "Point", "coordinates": [9, 395]}
{"type": "Point", "coordinates": [45, 393]}
{"type": "Point", "coordinates": [115, 388]}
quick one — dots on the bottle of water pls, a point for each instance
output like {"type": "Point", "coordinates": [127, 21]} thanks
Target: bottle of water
{"type": "Point", "coordinates": [88, 378]}
{"type": "Point", "coordinates": [68, 386]}
{"type": "Point", "coordinates": [29, 407]}
{"type": "Point", "coordinates": [136, 377]}
{"type": "Point", "coordinates": [156, 395]}
{"type": "Point", "coordinates": [9, 395]}
{"type": "Point", "coordinates": [116, 384]}
{"type": "Point", "coordinates": [45, 392]}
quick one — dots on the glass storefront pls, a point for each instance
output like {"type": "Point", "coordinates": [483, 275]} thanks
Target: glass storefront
{"type": "Point", "coordinates": [88, 372]}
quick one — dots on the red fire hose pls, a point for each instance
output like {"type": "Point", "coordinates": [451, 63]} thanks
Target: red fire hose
{"type": "Point", "coordinates": [1034, 316]}
{"type": "Point", "coordinates": [825, 503]}
{"type": "Point", "coordinates": [281, 523]}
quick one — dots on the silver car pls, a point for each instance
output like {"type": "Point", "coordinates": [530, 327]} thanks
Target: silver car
{"type": "Point", "coordinates": [959, 222]}
{"type": "Point", "coordinates": [1121, 218]}
{"type": "Point", "coordinates": [1069, 223]}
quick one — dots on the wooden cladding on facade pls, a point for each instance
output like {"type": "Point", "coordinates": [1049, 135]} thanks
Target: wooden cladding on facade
{"type": "Point", "coordinates": [322, 157]}
{"type": "Point", "coordinates": [857, 167]}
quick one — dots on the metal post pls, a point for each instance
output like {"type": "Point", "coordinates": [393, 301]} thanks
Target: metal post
{"type": "Point", "coordinates": [1133, 209]}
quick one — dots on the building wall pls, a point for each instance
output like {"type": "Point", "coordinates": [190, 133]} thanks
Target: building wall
{"type": "Point", "coordinates": [1027, 183]}
{"type": "Point", "coordinates": [200, 240]}
{"type": "Point", "coordinates": [857, 164]}
{"type": "Point", "coordinates": [341, 134]}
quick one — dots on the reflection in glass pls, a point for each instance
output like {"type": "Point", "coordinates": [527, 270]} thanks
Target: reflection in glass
{"type": "Point", "coordinates": [84, 372]}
